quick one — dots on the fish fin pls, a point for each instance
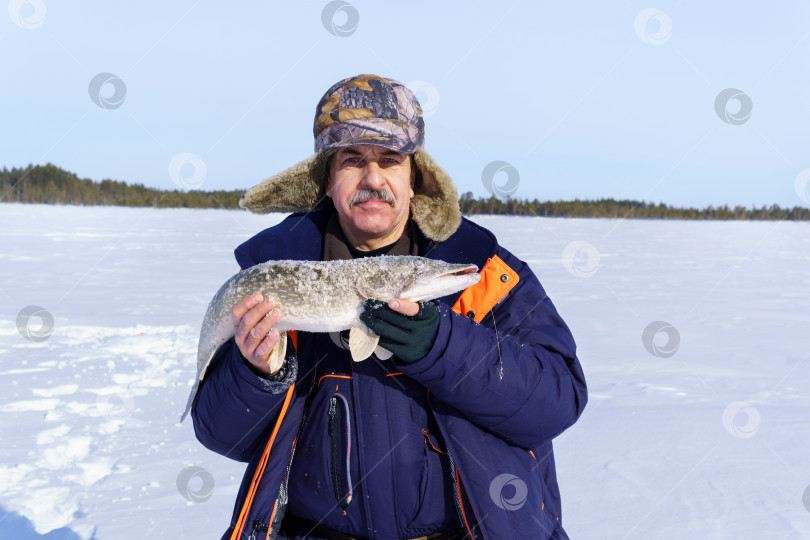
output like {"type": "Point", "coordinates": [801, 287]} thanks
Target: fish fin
{"type": "Point", "coordinates": [370, 286]}
{"type": "Point", "coordinates": [363, 291]}
{"type": "Point", "coordinates": [383, 354]}
{"type": "Point", "coordinates": [362, 342]}
{"type": "Point", "coordinates": [202, 369]}
{"type": "Point", "coordinates": [190, 399]}
{"type": "Point", "coordinates": [279, 352]}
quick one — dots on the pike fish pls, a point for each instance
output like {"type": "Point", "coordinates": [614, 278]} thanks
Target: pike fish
{"type": "Point", "coordinates": [327, 296]}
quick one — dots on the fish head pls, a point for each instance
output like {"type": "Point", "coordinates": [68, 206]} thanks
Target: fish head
{"type": "Point", "coordinates": [429, 279]}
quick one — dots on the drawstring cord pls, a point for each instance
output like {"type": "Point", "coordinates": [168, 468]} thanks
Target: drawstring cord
{"type": "Point", "coordinates": [498, 343]}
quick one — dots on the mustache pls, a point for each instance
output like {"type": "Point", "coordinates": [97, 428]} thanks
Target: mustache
{"type": "Point", "coordinates": [370, 194]}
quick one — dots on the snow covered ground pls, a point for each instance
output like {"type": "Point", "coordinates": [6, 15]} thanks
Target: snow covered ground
{"type": "Point", "coordinates": [693, 337]}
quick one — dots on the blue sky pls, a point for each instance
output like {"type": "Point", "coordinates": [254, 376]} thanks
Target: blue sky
{"type": "Point", "coordinates": [584, 99]}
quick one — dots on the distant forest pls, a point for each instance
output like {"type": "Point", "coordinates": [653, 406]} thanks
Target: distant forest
{"type": "Point", "coordinates": [51, 185]}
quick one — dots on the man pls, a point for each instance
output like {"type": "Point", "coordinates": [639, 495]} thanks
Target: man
{"type": "Point", "coordinates": [451, 437]}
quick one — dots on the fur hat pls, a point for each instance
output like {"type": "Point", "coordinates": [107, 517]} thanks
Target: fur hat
{"type": "Point", "coordinates": [371, 110]}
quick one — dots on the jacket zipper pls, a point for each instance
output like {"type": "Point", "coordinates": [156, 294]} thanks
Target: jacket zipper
{"type": "Point", "coordinates": [456, 491]}
{"type": "Point", "coordinates": [471, 530]}
{"type": "Point", "coordinates": [275, 526]}
{"type": "Point", "coordinates": [335, 453]}
{"type": "Point", "coordinates": [258, 526]}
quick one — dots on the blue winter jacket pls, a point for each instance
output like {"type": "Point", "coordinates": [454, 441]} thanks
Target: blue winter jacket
{"type": "Point", "coordinates": [502, 380]}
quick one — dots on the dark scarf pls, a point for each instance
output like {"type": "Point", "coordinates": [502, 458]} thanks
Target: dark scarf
{"type": "Point", "coordinates": [335, 246]}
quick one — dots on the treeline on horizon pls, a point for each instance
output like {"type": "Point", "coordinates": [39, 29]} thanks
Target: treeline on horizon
{"type": "Point", "coordinates": [50, 184]}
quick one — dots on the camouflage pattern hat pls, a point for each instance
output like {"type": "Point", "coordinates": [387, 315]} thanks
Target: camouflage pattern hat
{"type": "Point", "coordinates": [364, 110]}
{"type": "Point", "coordinates": [369, 109]}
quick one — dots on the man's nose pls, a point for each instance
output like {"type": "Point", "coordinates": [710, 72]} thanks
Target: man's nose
{"type": "Point", "coordinates": [373, 176]}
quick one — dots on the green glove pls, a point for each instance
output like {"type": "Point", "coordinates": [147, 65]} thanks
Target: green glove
{"type": "Point", "coordinates": [409, 338]}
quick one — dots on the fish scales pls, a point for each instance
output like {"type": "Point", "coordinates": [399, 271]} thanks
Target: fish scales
{"type": "Point", "coordinates": [302, 291]}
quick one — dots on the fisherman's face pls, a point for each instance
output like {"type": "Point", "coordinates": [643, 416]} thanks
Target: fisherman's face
{"type": "Point", "coordinates": [371, 188]}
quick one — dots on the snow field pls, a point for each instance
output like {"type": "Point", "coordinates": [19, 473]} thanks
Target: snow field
{"type": "Point", "coordinates": [692, 336]}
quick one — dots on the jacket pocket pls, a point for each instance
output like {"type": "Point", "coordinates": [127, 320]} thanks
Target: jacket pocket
{"type": "Point", "coordinates": [433, 494]}
{"type": "Point", "coordinates": [340, 446]}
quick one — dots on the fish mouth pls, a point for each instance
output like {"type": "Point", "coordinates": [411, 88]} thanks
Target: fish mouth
{"type": "Point", "coordinates": [453, 279]}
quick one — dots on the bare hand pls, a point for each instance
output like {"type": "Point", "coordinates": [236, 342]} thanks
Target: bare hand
{"type": "Point", "coordinates": [406, 307]}
{"type": "Point", "coordinates": [253, 320]}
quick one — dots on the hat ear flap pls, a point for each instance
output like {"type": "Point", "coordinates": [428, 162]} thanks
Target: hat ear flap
{"type": "Point", "coordinates": [297, 189]}
{"type": "Point", "coordinates": [434, 206]}
{"type": "Point", "coordinates": [302, 187]}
